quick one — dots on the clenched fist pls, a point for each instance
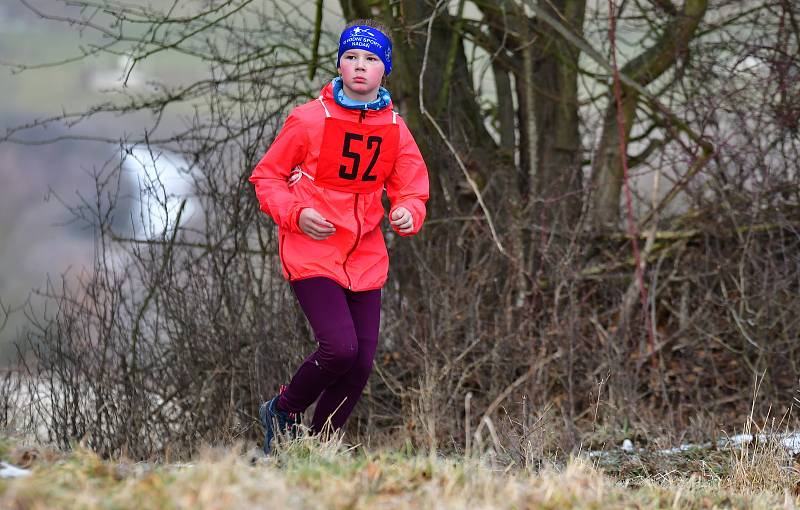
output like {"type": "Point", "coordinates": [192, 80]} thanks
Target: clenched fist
{"type": "Point", "coordinates": [402, 220]}
{"type": "Point", "coordinates": [314, 225]}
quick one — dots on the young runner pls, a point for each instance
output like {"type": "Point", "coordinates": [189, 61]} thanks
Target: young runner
{"type": "Point", "coordinates": [322, 181]}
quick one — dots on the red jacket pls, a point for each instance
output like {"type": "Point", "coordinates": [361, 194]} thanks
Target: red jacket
{"type": "Point", "coordinates": [355, 255]}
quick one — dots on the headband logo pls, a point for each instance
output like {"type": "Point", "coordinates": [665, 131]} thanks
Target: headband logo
{"type": "Point", "coordinates": [358, 31]}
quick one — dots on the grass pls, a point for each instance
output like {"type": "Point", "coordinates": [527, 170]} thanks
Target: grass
{"type": "Point", "coordinates": [312, 474]}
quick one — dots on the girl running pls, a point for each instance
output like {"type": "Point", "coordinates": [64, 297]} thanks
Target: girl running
{"type": "Point", "coordinates": [322, 181]}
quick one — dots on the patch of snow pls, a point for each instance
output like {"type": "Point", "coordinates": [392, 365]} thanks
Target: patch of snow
{"type": "Point", "coordinates": [789, 441]}
{"type": "Point", "coordinates": [792, 442]}
{"type": "Point", "coordinates": [9, 471]}
{"type": "Point", "coordinates": [685, 448]}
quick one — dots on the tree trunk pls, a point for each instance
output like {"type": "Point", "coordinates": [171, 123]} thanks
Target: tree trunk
{"type": "Point", "coordinates": [607, 171]}
{"type": "Point", "coordinates": [556, 182]}
{"type": "Point", "coordinates": [607, 178]}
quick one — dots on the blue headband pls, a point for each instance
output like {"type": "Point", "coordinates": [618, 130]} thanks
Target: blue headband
{"type": "Point", "coordinates": [362, 37]}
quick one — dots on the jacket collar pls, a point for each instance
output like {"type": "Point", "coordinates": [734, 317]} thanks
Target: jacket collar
{"type": "Point", "coordinates": [334, 91]}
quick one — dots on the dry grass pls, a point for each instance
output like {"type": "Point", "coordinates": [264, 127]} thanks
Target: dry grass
{"type": "Point", "coordinates": [313, 474]}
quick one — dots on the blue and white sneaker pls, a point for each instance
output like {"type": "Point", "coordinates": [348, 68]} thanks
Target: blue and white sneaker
{"type": "Point", "coordinates": [276, 421]}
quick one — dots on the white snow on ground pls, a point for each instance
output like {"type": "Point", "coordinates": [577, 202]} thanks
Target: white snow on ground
{"type": "Point", "coordinates": [627, 446]}
{"type": "Point", "coordinates": [684, 448]}
{"type": "Point", "coordinates": [9, 471]}
{"type": "Point", "coordinates": [790, 441]}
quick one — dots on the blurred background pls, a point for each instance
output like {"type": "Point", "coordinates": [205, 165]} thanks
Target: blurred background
{"type": "Point", "coordinates": [39, 181]}
{"type": "Point", "coordinates": [49, 170]}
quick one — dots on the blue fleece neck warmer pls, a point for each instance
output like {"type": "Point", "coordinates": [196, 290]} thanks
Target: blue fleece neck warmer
{"type": "Point", "coordinates": [382, 101]}
{"type": "Point", "coordinates": [361, 37]}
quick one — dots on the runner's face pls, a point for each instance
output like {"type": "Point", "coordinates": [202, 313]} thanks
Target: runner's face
{"type": "Point", "coordinates": [361, 72]}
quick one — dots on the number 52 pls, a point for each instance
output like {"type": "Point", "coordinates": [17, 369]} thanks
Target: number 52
{"type": "Point", "coordinates": [352, 174]}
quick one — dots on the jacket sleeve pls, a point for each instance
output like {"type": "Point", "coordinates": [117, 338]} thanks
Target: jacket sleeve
{"type": "Point", "coordinates": [271, 174]}
{"type": "Point", "coordinates": [407, 185]}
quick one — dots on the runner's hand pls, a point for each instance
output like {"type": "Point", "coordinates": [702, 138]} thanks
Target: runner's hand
{"type": "Point", "coordinates": [402, 220]}
{"type": "Point", "coordinates": [314, 225]}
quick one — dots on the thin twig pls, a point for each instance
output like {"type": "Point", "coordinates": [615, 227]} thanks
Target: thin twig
{"type": "Point", "coordinates": [447, 142]}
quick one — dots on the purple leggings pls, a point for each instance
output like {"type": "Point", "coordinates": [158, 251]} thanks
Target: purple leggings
{"type": "Point", "coordinates": [345, 324]}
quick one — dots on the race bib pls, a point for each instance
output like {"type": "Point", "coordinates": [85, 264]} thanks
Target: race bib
{"type": "Point", "coordinates": [356, 157]}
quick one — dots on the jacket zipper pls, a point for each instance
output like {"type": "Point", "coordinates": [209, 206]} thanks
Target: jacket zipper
{"type": "Point", "coordinates": [361, 117]}
{"type": "Point", "coordinates": [358, 238]}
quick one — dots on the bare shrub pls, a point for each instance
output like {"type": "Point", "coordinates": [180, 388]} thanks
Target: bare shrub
{"type": "Point", "coordinates": [173, 340]}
